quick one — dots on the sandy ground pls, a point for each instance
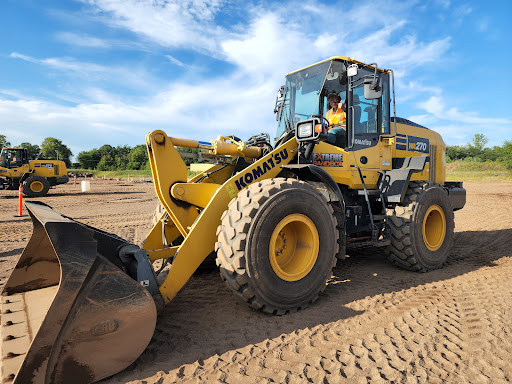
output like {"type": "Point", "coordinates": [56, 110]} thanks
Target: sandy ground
{"type": "Point", "coordinates": [374, 323]}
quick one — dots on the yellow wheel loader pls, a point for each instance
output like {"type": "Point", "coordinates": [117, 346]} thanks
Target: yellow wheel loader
{"type": "Point", "coordinates": [36, 176]}
{"type": "Point", "coordinates": [82, 304]}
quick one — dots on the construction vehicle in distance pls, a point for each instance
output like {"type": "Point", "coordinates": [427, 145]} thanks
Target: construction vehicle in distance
{"type": "Point", "coordinates": [36, 176]}
{"type": "Point", "coordinates": [82, 304]}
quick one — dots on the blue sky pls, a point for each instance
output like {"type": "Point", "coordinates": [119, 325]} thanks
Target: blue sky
{"type": "Point", "coordinates": [94, 72]}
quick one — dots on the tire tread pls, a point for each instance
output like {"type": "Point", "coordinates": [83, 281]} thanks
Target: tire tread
{"type": "Point", "coordinates": [232, 238]}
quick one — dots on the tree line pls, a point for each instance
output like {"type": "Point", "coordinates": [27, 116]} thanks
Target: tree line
{"type": "Point", "coordinates": [108, 158]}
{"type": "Point", "coordinates": [51, 149]}
{"type": "Point", "coordinates": [105, 158]}
{"type": "Point", "coordinates": [476, 151]}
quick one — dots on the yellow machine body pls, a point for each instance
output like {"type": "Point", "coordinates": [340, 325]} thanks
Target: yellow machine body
{"type": "Point", "coordinates": [37, 176]}
{"type": "Point", "coordinates": [277, 216]}
{"type": "Point", "coordinates": [380, 157]}
{"type": "Point", "coordinates": [212, 195]}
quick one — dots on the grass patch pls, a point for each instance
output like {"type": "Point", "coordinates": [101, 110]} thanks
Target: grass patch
{"type": "Point", "coordinates": [462, 170]}
{"type": "Point", "coordinates": [132, 174]}
{"type": "Point", "coordinates": [459, 170]}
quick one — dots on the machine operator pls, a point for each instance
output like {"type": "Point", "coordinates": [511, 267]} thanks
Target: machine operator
{"type": "Point", "coordinates": [337, 118]}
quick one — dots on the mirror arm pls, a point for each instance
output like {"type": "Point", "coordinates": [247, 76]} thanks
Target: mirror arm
{"type": "Point", "coordinates": [374, 82]}
{"type": "Point", "coordinates": [393, 88]}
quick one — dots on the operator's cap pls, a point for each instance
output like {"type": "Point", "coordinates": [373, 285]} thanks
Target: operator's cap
{"type": "Point", "coordinates": [333, 95]}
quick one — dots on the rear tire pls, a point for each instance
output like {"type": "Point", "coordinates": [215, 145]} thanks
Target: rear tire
{"type": "Point", "coordinates": [36, 186]}
{"type": "Point", "coordinates": [277, 244]}
{"type": "Point", "coordinates": [421, 228]}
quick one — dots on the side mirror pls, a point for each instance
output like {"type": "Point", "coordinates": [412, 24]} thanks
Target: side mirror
{"type": "Point", "coordinates": [372, 88]}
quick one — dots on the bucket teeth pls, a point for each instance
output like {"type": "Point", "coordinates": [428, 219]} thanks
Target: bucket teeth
{"type": "Point", "coordinates": [70, 312]}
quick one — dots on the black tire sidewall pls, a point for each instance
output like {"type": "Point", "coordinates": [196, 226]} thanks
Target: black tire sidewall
{"type": "Point", "coordinates": [28, 191]}
{"type": "Point", "coordinates": [274, 290]}
{"type": "Point", "coordinates": [432, 259]}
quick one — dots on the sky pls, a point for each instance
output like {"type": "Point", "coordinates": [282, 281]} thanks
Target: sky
{"type": "Point", "coordinates": [95, 72]}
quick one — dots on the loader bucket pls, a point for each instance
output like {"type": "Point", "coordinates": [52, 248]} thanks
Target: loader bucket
{"type": "Point", "coordinates": [70, 314]}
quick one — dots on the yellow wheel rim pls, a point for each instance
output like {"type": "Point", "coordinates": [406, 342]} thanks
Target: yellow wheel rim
{"type": "Point", "coordinates": [294, 247]}
{"type": "Point", "coordinates": [434, 228]}
{"type": "Point", "coordinates": [36, 186]}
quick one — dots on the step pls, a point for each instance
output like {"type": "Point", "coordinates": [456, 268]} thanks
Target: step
{"type": "Point", "coordinates": [371, 192]}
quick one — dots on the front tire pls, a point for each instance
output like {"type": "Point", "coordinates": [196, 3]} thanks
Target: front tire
{"type": "Point", "coordinates": [36, 186]}
{"type": "Point", "coordinates": [277, 244]}
{"type": "Point", "coordinates": [421, 228]}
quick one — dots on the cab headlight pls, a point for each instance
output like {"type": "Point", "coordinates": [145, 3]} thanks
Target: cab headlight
{"type": "Point", "coordinates": [305, 130]}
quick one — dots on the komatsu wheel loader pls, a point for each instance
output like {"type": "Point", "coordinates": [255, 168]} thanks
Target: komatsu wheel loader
{"type": "Point", "coordinates": [36, 176]}
{"type": "Point", "coordinates": [81, 304]}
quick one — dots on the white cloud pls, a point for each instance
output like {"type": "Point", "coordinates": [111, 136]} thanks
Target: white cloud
{"type": "Point", "coordinates": [181, 64]}
{"type": "Point", "coordinates": [262, 47]}
{"type": "Point", "coordinates": [458, 127]}
{"type": "Point", "coordinates": [269, 48]}
{"type": "Point", "coordinates": [171, 23]}
{"type": "Point", "coordinates": [482, 24]}
{"type": "Point", "coordinates": [438, 108]}
{"type": "Point", "coordinates": [74, 70]}
{"type": "Point", "coordinates": [462, 11]}
{"type": "Point", "coordinates": [63, 64]}
{"type": "Point", "coordinates": [82, 40]}
{"type": "Point", "coordinates": [222, 107]}
{"type": "Point", "coordinates": [175, 61]}
{"type": "Point", "coordinates": [443, 3]}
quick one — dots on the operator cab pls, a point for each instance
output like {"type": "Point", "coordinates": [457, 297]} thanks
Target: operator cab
{"type": "Point", "coordinates": [364, 89]}
{"type": "Point", "coordinates": [13, 157]}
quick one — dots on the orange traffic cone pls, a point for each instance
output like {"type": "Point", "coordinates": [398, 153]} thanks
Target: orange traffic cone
{"type": "Point", "coordinates": [21, 200]}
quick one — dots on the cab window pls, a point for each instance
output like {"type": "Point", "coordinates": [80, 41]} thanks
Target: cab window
{"type": "Point", "coordinates": [365, 113]}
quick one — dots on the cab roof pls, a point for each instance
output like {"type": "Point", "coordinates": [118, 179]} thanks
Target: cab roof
{"type": "Point", "coordinates": [344, 58]}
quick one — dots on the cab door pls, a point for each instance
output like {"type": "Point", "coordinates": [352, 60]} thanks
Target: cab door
{"type": "Point", "coordinates": [369, 121]}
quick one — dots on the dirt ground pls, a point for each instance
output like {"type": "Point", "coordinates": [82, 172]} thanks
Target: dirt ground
{"type": "Point", "coordinates": [374, 323]}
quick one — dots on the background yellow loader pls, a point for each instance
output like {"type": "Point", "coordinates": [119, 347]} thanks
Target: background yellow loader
{"type": "Point", "coordinates": [37, 176]}
{"type": "Point", "coordinates": [82, 304]}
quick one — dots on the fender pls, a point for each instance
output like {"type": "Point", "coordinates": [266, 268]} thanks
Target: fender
{"type": "Point", "coordinates": [315, 173]}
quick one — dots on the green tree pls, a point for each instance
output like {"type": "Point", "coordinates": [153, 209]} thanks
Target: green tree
{"type": "Point", "coordinates": [105, 150]}
{"type": "Point", "coordinates": [51, 146]}
{"type": "Point", "coordinates": [137, 157]}
{"type": "Point", "coordinates": [457, 152]}
{"type": "Point", "coordinates": [32, 149]}
{"type": "Point", "coordinates": [505, 154]}
{"type": "Point", "coordinates": [122, 151]}
{"type": "Point", "coordinates": [490, 154]}
{"type": "Point", "coordinates": [4, 142]}
{"type": "Point", "coordinates": [188, 160]}
{"type": "Point", "coordinates": [88, 159]}
{"type": "Point", "coordinates": [478, 141]}
{"type": "Point", "coordinates": [106, 163]}
{"type": "Point", "coordinates": [122, 156]}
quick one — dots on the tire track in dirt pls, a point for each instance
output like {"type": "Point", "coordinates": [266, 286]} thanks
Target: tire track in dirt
{"type": "Point", "coordinates": [374, 323]}
{"type": "Point", "coordinates": [438, 331]}
{"type": "Point", "coordinates": [487, 325]}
